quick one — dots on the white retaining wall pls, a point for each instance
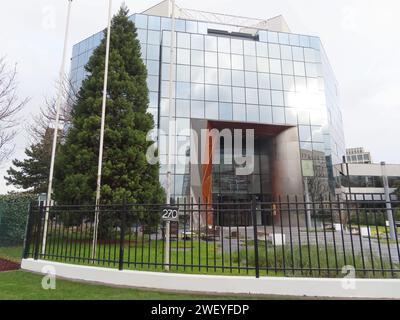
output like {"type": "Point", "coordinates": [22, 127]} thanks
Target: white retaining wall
{"type": "Point", "coordinates": [310, 287]}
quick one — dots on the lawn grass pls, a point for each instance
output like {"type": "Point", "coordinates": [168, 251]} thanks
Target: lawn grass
{"type": "Point", "coordinates": [321, 261]}
{"type": "Point", "coordinates": [13, 254]}
{"type": "Point", "coordinates": [185, 257]}
{"type": "Point", "coordinates": [201, 257]}
{"type": "Point", "coordinates": [197, 256]}
{"type": "Point", "coordinates": [205, 257]}
{"type": "Point", "coordinates": [384, 233]}
{"type": "Point", "coordinates": [20, 285]}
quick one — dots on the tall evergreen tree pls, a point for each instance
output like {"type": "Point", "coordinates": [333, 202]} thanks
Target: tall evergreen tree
{"type": "Point", "coordinates": [32, 173]}
{"type": "Point", "coordinates": [126, 172]}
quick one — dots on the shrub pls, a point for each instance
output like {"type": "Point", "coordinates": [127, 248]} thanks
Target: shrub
{"type": "Point", "coordinates": [14, 210]}
{"type": "Point", "coordinates": [373, 218]}
{"type": "Point", "coordinates": [312, 258]}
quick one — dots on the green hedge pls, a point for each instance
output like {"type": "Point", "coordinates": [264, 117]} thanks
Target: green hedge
{"type": "Point", "coordinates": [13, 217]}
{"type": "Point", "coordinates": [376, 217]}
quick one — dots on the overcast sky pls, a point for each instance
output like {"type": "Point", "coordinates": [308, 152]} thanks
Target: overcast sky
{"type": "Point", "coordinates": [360, 37]}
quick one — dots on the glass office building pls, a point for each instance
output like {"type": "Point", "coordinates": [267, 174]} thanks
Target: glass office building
{"type": "Point", "coordinates": [235, 72]}
{"type": "Point", "coordinates": [358, 155]}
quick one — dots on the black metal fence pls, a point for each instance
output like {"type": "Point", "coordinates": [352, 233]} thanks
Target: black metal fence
{"type": "Point", "coordinates": [285, 237]}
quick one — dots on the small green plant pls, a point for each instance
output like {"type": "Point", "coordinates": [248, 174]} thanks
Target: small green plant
{"type": "Point", "coordinates": [373, 217]}
{"type": "Point", "coordinates": [321, 262]}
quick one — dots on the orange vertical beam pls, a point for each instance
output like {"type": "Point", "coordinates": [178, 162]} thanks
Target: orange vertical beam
{"type": "Point", "coordinates": [206, 184]}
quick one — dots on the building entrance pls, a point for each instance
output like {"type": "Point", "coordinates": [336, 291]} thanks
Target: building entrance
{"type": "Point", "coordinates": [235, 210]}
{"type": "Point", "coordinates": [232, 193]}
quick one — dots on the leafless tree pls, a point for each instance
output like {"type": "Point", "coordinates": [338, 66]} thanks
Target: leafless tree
{"type": "Point", "coordinates": [45, 118]}
{"type": "Point", "coordinates": [10, 105]}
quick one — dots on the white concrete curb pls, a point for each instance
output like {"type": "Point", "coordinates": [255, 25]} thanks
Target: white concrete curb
{"type": "Point", "coordinates": [310, 287]}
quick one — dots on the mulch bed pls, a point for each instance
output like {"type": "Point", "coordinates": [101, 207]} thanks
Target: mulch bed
{"type": "Point", "coordinates": [6, 265]}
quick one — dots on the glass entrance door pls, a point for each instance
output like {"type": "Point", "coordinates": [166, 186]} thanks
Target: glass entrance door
{"type": "Point", "coordinates": [235, 210]}
{"type": "Point", "coordinates": [233, 193]}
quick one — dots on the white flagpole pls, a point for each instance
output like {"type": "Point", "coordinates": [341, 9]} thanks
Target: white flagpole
{"type": "Point", "coordinates": [56, 123]}
{"type": "Point", "coordinates": [171, 105]}
{"type": "Point", "coordinates": [103, 115]}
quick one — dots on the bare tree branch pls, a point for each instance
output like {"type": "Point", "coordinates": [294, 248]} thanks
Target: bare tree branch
{"type": "Point", "coordinates": [46, 117]}
{"type": "Point", "coordinates": [10, 105]}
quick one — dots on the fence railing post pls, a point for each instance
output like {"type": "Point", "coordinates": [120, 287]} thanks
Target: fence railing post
{"type": "Point", "coordinates": [38, 231]}
{"type": "Point", "coordinates": [28, 232]}
{"type": "Point", "coordinates": [254, 218]}
{"type": "Point", "coordinates": [122, 235]}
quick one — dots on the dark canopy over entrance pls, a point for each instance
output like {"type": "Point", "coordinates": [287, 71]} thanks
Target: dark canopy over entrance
{"type": "Point", "coordinates": [221, 184]}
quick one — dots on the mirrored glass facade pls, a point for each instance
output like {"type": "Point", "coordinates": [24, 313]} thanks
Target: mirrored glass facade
{"type": "Point", "coordinates": [266, 78]}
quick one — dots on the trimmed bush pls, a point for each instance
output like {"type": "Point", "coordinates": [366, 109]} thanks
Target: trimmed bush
{"type": "Point", "coordinates": [374, 218]}
{"type": "Point", "coordinates": [14, 210]}
{"type": "Point", "coordinates": [312, 258]}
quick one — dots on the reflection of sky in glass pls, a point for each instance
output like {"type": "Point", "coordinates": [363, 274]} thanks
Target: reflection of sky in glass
{"type": "Point", "coordinates": [280, 79]}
